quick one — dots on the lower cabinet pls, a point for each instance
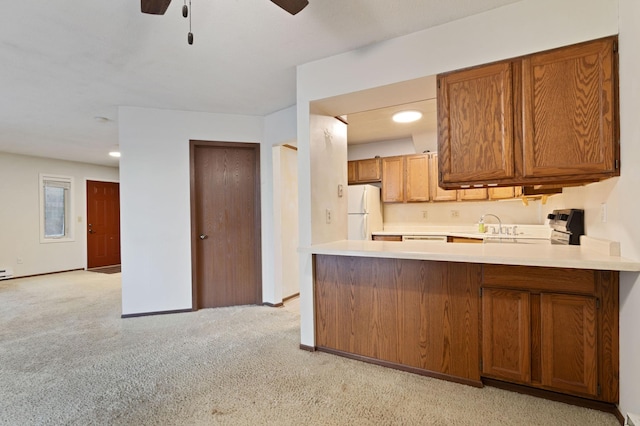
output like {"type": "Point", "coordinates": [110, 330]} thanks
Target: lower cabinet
{"type": "Point", "coordinates": [554, 329]}
{"type": "Point", "coordinates": [543, 327]}
{"type": "Point", "coordinates": [506, 341]}
{"type": "Point", "coordinates": [569, 350]}
{"type": "Point", "coordinates": [418, 315]}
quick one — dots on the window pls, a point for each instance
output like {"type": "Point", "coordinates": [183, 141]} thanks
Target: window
{"type": "Point", "coordinates": [55, 208]}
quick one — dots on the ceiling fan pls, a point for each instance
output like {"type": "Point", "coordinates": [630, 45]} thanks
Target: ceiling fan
{"type": "Point", "coordinates": [159, 7]}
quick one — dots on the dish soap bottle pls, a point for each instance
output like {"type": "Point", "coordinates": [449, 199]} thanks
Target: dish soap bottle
{"type": "Point", "coordinates": [481, 226]}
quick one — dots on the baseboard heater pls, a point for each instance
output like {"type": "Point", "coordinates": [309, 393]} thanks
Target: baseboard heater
{"type": "Point", "coordinates": [5, 273]}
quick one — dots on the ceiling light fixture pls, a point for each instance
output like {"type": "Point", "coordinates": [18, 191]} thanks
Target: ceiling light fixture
{"type": "Point", "coordinates": [407, 116]}
{"type": "Point", "coordinates": [115, 151]}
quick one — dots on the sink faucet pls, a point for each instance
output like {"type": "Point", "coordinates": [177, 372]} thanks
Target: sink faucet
{"type": "Point", "coordinates": [499, 221]}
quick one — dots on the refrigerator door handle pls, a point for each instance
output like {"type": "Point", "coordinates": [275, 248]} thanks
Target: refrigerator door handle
{"type": "Point", "coordinates": [365, 227]}
{"type": "Point", "coordinates": [364, 200]}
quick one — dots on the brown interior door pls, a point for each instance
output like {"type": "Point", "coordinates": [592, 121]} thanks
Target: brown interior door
{"type": "Point", "coordinates": [103, 224]}
{"type": "Point", "coordinates": [226, 244]}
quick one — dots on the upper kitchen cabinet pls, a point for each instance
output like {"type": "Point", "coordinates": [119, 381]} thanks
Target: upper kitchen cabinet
{"type": "Point", "coordinates": [352, 177]}
{"type": "Point", "coordinates": [569, 106]}
{"type": "Point", "coordinates": [547, 118]}
{"type": "Point", "coordinates": [393, 179]}
{"type": "Point", "coordinates": [405, 178]}
{"type": "Point", "coordinates": [437, 193]}
{"type": "Point", "coordinates": [417, 178]}
{"type": "Point", "coordinates": [364, 171]}
{"type": "Point", "coordinates": [475, 125]}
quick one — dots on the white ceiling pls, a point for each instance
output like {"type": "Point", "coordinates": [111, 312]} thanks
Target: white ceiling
{"type": "Point", "coordinates": [65, 62]}
{"type": "Point", "coordinates": [377, 125]}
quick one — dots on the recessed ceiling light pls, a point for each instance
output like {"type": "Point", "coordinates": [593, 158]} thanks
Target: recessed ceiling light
{"type": "Point", "coordinates": [115, 154]}
{"type": "Point", "coordinates": [407, 116]}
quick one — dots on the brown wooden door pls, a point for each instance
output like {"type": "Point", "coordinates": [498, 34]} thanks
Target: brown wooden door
{"type": "Point", "coordinates": [226, 224]}
{"type": "Point", "coordinates": [417, 184]}
{"type": "Point", "coordinates": [569, 349]}
{"type": "Point", "coordinates": [569, 111]}
{"type": "Point", "coordinates": [103, 224]}
{"type": "Point", "coordinates": [475, 125]}
{"type": "Point", "coordinates": [506, 334]}
{"type": "Point", "coordinates": [393, 179]}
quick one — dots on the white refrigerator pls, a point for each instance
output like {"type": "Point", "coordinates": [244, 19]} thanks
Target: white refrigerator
{"type": "Point", "coordinates": [365, 211]}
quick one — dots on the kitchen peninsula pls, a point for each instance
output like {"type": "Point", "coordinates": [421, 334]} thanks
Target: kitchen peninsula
{"type": "Point", "coordinates": [538, 317]}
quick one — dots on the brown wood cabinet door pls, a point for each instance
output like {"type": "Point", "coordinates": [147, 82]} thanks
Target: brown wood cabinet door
{"type": "Point", "coordinates": [352, 176]}
{"type": "Point", "coordinates": [569, 108]}
{"type": "Point", "coordinates": [393, 179]}
{"type": "Point", "coordinates": [569, 351]}
{"type": "Point", "coordinates": [472, 194]}
{"type": "Point", "coordinates": [417, 173]}
{"type": "Point", "coordinates": [506, 334]}
{"type": "Point", "coordinates": [368, 170]}
{"type": "Point", "coordinates": [437, 193]}
{"type": "Point", "coordinates": [501, 193]}
{"type": "Point", "coordinates": [475, 125]}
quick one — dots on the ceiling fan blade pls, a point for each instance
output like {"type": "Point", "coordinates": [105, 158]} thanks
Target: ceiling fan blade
{"type": "Point", "coordinates": [154, 7]}
{"type": "Point", "coordinates": [292, 6]}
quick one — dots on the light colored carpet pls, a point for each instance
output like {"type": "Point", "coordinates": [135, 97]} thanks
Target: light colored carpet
{"type": "Point", "coordinates": [67, 358]}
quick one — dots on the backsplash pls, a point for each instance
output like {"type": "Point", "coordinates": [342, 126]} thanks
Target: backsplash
{"type": "Point", "coordinates": [593, 198]}
{"type": "Point", "coordinates": [466, 213]}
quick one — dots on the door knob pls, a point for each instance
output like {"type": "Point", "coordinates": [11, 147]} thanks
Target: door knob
{"type": "Point", "coordinates": [203, 236]}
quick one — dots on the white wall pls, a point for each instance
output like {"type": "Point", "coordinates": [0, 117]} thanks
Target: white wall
{"type": "Point", "coordinates": [285, 231]}
{"type": "Point", "coordinates": [382, 149]}
{"type": "Point", "coordinates": [20, 214]}
{"type": "Point", "coordinates": [520, 28]}
{"type": "Point", "coordinates": [279, 128]}
{"type": "Point", "coordinates": [624, 223]}
{"type": "Point", "coordinates": [155, 198]}
{"type": "Point", "coordinates": [328, 170]}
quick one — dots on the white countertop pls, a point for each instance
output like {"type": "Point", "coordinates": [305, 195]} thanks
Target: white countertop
{"type": "Point", "coordinates": [549, 255]}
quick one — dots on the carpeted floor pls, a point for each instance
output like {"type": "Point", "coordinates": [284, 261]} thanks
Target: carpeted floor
{"type": "Point", "coordinates": [67, 358]}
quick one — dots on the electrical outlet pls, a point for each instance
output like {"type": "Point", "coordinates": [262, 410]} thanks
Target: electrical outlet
{"type": "Point", "coordinates": [455, 213]}
{"type": "Point", "coordinates": [424, 214]}
{"type": "Point", "coordinates": [340, 190]}
{"type": "Point", "coordinates": [328, 215]}
{"type": "Point", "coordinates": [19, 261]}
